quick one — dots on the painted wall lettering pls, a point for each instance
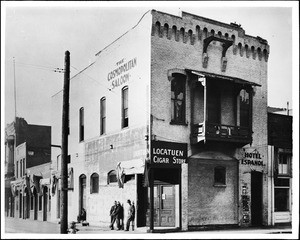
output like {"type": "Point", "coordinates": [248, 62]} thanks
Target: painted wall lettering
{"type": "Point", "coordinates": [120, 75]}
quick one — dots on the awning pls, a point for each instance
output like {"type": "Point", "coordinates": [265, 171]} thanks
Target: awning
{"type": "Point", "coordinates": [218, 76]}
{"type": "Point", "coordinates": [134, 166]}
{"type": "Point", "coordinates": [212, 155]}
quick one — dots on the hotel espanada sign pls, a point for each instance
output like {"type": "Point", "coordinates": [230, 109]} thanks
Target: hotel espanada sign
{"type": "Point", "coordinates": [168, 153]}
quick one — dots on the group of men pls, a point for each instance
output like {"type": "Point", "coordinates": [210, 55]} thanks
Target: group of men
{"type": "Point", "coordinates": [117, 215]}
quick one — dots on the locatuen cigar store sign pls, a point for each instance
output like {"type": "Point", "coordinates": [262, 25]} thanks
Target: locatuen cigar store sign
{"type": "Point", "coordinates": [168, 153]}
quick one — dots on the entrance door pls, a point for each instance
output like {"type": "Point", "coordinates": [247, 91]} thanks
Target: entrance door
{"type": "Point", "coordinates": [256, 198]}
{"type": "Point", "coordinates": [164, 205]}
{"type": "Point", "coordinates": [45, 203]}
{"type": "Point", "coordinates": [82, 192]}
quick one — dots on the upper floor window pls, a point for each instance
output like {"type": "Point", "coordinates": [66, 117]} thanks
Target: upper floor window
{"type": "Point", "coordinates": [94, 183]}
{"type": "Point", "coordinates": [81, 124]}
{"type": "Point", "coordinates": [178, 98]}
{"type": "Point", "coordinates": [213, 104]}
{"type": "Point", "coordinates": [112, 177]}
{"type": "Point", "coordinates": [24, 166]}
{"type": "Point", "coordinates": [102, 115]}
{"type": "Point", "coordinates": [17, 169]}
{"type": "Point", "coordinates": [125, 107]}
{"type": "Point", "coordinates": [284, 162]}
{"type": "Point", "coordinates": [21, 167]}
{"type": "Point", "coordinates": [244, 103]}
{"type": "Point", "coordinates": [219, 176]}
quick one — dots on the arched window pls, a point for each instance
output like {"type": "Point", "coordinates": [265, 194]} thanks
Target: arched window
{"type": "Point", "coordinates": [244, 108]}
{"type": "Point", "coordinates": [220, 175]}
{"type": "Point", "coordinates": [174, 33]}
{"type": "Point", "coordinates": [102, 115]}
{"type": "Point", "coordinates": [125, 107]}
{"type": "Point", "coordinates": [178, 98]}
{"type": "Point", "coordinates": [112, 177]}
{"type": "Point", "coordinates": [166, 30]}
{"type": "Point", "coordinates": [94, 183]}
{"type": "Point", "coordinates": [81, 124]}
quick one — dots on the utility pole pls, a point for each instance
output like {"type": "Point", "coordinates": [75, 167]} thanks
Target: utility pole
{"type": "Point", "coordinates": [64, 148]}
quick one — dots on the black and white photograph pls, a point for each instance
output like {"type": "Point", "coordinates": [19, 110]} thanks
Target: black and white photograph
{"type": "Point", "coordinates": [150, 119]}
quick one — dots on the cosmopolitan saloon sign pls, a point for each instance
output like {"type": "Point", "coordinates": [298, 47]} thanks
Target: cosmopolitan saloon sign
{"type": "Point", "coordinates": [168, 154]}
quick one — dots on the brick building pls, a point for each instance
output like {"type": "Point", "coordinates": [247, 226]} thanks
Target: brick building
{"type": "Point", "coordinates": [28, 166]}
{"type": "Point", "coordinates": [177, 104]}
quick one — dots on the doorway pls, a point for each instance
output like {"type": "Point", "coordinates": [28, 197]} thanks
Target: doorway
{"type": "Point", "coordinates": [256, 198]}
{"type": "Point", "coordinates": [82, 193]}
{"type": "Point", "coordinates": [164, 206]}
{"type": "Point", "coordinates": [45, 201]}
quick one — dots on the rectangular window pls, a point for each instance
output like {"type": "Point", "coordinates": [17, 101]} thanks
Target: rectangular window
{"type": "Point", "coordinates": [102, 116]}
{"type": "Point", "coordinates": [219, 176]}
{"type": "Point", "coordinates": [17, 169]}
{"type": "Point", "coordinates": [282, 199]}
{"type": "Point", "coordinates": [24, 166]}
{"type": "Point", "coordinates": [284, 164]}
{"type": "Point", "coordinates": [125, 107]}
{"type": "Point", "coordinates": [31, 202]}
{"type": "Point", "coordinates": [21, 167]}
{"type": "Point", "coordinates": [40, 202]}
{"type": "Point", "coordinates": [81, 124]}
{"type": "Point", "coordinates": [178, 99]}
{"type": "Point", "coordinates": [213, 104]}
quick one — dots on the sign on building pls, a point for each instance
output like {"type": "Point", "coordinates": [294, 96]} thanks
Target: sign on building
{"type": "Point", "coordinates": [168, 153]}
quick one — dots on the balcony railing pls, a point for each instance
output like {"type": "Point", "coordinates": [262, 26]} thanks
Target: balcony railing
{"type": "Point", "coordinates": [221, 132]}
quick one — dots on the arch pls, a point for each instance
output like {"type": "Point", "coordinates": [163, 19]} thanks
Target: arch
{"type": "Point", "coordinates": [240, 49]}
{"type": "Point", "coordinates": [265, 54]}
{"type": "Point", "coordinates": [198, 32]}
{"type": "Point", "coordinates": [259, 53]}
{"type": "Point", "coordinates": [157, 28]}
{"type": "Point", "coordinates": [190, 36]}
{"type": "Point", "coordinates": [253, 52]}
{"type": "Point", "coordinates": [233, 38]}
{"type": "Point", "coordinates": [174, 33]}
{"type": "Point", "coordinates": [82, 192]}
{"type": "Point", "coordinates": [94, 183]}
{"type": "Point", "coordinates": [247, 51]}
{"type": "Point", "coordinates": [220, 34]}
{"type": "Point", "coordinates": [212, 32]}
{"type": "Point", "coordinates": [166, 31]}
{"type": "Point", "coordinates": [181, 35]}
{"type": "Point", "coordinates": [205, 32]}
{"type": "Point", "coordinates": [226, 35]}
{"type": "Point", "coordinates": [112, 177]}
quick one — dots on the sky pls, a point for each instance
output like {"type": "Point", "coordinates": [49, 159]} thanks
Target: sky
{"type": "Point", "coordinates": [35, 36]}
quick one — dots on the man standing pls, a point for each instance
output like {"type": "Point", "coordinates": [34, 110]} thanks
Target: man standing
{"type": "Point", "coordinates": [112, 214]}
{"type": "Point", "coordinates": [130, 215]}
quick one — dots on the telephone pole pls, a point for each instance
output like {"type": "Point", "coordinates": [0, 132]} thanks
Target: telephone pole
{"type": "Point", "coordinates": [64, 148]}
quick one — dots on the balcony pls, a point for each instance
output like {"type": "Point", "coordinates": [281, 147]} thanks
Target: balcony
{"type": "Point", "coordinates": [220, 132]}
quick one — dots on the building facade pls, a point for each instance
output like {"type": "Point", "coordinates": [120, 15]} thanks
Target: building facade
{"type": "Point", "coordinates": [28, 163]}
{"type": "Point", "coordinates": [280, 147]}
{"type": "Point", "coordinates": [172, 115]}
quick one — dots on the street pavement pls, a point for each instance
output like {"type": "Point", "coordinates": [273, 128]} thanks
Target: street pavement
{"type": "Point", "coordinates": [14, 225]}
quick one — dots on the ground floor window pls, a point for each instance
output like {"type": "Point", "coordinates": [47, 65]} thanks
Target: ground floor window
{"type": "Point", "coordinates": [282, 194]}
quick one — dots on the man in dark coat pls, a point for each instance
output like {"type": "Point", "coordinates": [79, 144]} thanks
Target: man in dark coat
{"type": "Point", "coordinates": [112, 214]}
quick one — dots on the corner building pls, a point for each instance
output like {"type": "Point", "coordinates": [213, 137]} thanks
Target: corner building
{"type": "Point", "coordinates": [172, 115]}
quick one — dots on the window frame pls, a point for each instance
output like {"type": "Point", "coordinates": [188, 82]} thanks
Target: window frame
{"type": "Point", "coordinates": [102, 115]}
{"type": "Point", "coordinates": [81, 124]}
{"type": "Point", "coordinates": [288, 164]}
{"type": "Point", "coordinates": [221, 183]}
{"type": "Point", "coordinates": [125, 121]}
{"type": "Point", "coordinates": [109, 174]}
{"type": "Point", "coordinates": [94, 189]}
{"type": "Point", "coordinates": [181, 78]}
